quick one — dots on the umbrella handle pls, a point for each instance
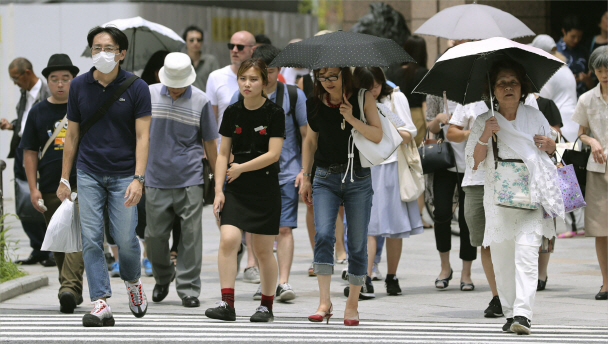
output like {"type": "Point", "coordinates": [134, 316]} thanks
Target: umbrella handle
{"type": "Point", "coordinates": [491, 105]}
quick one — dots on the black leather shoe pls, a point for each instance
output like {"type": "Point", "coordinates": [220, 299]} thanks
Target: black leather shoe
{"type": "Point", "coordinates": [190, 301]}
{"type": "Point", "coordinates": [67, 302]}
{"type": "Point", "coordinates": [542, 284]}
{"type": "Point", "coordinates": [160, 292]}
{"type": "Point", "coordinates": [32, 259]}
{"type": "Point", "coordinates": [49, 262]}
{"type": "Point", "coordinates": [602, 295]}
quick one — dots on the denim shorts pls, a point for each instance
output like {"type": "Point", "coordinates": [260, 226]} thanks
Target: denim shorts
{"type": "Point", "coordinates": [289, 205]}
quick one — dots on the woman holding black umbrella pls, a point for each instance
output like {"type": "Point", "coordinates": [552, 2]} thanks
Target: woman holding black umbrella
{"type": "Point", "coordinates": [524, 144]}
{"type": "Point", "coordinates": [333, 110]}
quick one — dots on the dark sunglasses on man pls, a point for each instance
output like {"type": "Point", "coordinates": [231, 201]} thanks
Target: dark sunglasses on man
{"type": "Point", "coordinates": [240, 47]}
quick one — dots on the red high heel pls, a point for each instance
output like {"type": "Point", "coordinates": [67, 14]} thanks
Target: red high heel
{"type": "Point", "coordinates": [319, 317]}
{"type": "Point", "coordinates": [352, 322]}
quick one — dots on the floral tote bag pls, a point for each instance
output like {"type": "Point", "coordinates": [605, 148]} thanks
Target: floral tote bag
{"type": "Point", "coordinates": [511, 183]}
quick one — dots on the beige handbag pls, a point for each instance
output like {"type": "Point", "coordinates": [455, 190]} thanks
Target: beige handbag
{"type": "Point", "coordinates": [411, 180]}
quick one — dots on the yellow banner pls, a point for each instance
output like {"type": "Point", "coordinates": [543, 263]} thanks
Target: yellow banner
{"type": "Point", "coordinates": [224, 27]}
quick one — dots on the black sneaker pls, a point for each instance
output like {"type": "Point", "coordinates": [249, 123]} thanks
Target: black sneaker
{"type": "Point", "coordinates": [67, 302]}
{"type": "Point", "coordinates": [367, 290]}
{"type": "Point", "coordinates": [392, 286]}
{"type": "Point", "coordinates": [521, 325]}
{"type": "Point", "coordinates": [507, 326]}
{"type": "Point", "coordinates": [285, 292]}
{"type": "Point", "coordinates": [222, 312]}
{"type": "Point", "coordinates": [494, 309]}
{"type": "Point", "coordinates": [262, 314]}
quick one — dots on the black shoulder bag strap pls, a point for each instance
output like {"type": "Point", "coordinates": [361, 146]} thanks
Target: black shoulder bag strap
{"type": "Point", "coordinates": [293, 99]}
{"type": "Point", "coordinates": [104, 108]}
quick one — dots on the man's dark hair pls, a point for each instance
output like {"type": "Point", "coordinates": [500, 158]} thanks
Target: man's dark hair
{"type": "Point", "coordinates": [22, 64]}
{"type": "Point", "coordinates": [571, 23]}
{"type": "Point", "coordinates": [193, 28]}
{"type": "Point", "coordinates": [261, 38]}
{"type": "Point", "coordinates": [118, 36]}
{"type": "Point", "coordinates": [266, 52]}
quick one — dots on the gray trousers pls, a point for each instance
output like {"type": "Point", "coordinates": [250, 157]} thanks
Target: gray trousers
{"type": "Point", "coordinates": [162, 206]}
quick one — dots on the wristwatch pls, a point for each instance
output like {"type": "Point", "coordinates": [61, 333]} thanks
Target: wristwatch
{"type": "Point", "coordinates": [139, 177]}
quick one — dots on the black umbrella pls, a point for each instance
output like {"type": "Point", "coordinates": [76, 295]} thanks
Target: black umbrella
{"type": "Point", "coordinates": [341, 49]}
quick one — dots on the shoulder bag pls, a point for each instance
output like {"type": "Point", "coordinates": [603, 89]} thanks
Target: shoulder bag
{"type": "Point", "coordinates": [371, 153]}
{"type": "Point", "coordinates": [570, 188]}
{"type": "Point", "coordinates": [511, 183]}
{"type": "Point", "coordinates": [436, 156]}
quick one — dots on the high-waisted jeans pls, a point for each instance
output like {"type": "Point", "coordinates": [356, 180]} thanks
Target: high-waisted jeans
{"type": "Point", "coordinates": [328, 193]}
{"type": "Point", "coordinates": [94, 192]}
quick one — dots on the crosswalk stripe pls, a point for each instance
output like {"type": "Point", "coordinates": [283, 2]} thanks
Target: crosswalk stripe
{"type": "Point", "coordinates": [181, 328]}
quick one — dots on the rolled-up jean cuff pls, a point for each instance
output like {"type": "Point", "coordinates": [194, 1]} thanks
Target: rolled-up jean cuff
{"type": "Point", "coordinates": [324, 269]}
{"type": "Point", "coordinates": [356, 280]}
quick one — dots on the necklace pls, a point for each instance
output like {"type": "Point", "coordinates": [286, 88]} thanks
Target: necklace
{"type": "Point", "coordinates": [329, 102]}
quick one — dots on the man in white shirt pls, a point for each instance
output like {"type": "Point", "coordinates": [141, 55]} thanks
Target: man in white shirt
{"type": "Point", "coordinates": [33, 90]}
{"type": "Point", "coordinates": [222, 83]}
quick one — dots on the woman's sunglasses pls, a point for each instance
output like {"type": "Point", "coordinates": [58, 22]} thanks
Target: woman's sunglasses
{"type": "Point", "coordinates": [240, 47]}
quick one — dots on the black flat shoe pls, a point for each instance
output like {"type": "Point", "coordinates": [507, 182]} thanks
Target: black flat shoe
{"type": "Point", "coordinates": [602, 295]}
{"type": "Point", "coordinates": [262, 314]}
{"type": "Point", "coordinates": [444, 282]}
{"type": "Point", "coordinates": [222, 312]}
{"type": "Point", "coordinates": [67, 302]}
{"type": "Point", "coordinates": [467, 286]}
{"type": "Point", "coordinates": [49, 262]}
{"type": "Point", "coordinates": [190, 302]}
{"type": "Point", "coordinates": [542, 284]}
{"type": "Point", "coordinates": [160, 292]}
{"type": "Point", "coordinates": [32, 259]}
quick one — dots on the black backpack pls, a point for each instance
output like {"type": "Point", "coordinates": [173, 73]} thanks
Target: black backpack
{"type": "Point", "coordinates": [292, 91]}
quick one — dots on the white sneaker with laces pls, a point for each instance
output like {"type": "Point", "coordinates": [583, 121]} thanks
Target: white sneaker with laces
{"type": "Point", "coordinates": [251, 275]}
{"type": "Point", "coordinates": [138, 303]}
{"type": "Point", "coordinates": [101, 315]}
{"type": "Point", "coordinates": [258, 294]}
{"type": "Point", "coordinates": [376, 274]}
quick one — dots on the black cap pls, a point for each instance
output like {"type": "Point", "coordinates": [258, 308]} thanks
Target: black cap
{"type": "Point", "coordinates": [60, 62]}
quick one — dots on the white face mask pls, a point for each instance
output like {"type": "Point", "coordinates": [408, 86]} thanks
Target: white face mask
{"type": "Point", "coordinates": [104, 62]}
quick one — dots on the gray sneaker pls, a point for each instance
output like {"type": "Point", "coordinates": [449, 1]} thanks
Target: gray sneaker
{"type": "Point", "coordinates": [138, 303]}
{"type": "Point", "coordinates": [285, 292]}
{"type": "Point", "coordinates": [376, 274]}
{"type": "Point", "coordinates": [258, 294]}
{"type": "Point", "coordinates": [101, 315]}
{"type": "Point", "coordinates": [251, 275]}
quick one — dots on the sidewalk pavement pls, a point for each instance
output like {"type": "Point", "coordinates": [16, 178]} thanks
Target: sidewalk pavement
{"type": "Point", "coordinates": [574, 279]}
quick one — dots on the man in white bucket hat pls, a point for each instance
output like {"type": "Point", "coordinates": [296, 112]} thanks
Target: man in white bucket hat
{"type": "Point", "coordinates": [183, 127]}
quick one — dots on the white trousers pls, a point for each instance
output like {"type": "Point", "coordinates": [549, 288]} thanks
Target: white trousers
{"type": "Point", "coordinates": [579, 218]}
{"type": "Point", "coordinates": [516, 270]}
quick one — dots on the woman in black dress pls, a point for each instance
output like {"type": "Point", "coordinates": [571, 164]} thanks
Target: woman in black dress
{"type": "Point", "coordinates": [252, 129]}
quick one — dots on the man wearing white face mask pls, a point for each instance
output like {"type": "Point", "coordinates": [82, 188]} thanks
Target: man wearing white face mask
{"type": "Point", "coordinates": [108, 128]}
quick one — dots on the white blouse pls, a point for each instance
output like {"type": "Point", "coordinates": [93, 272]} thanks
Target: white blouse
{"type": "Point", "coordinates": [398, 104]}
{"type": "Point", "coordinates": [592, 112]}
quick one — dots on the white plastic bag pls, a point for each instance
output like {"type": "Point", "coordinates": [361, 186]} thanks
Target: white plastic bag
{"type": "Point", "coordinates": [63, 233]}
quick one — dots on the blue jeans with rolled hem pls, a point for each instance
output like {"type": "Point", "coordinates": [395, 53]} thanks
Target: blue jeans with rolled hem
{"type": "Point", "coordinates": [328, 193]}
{"type": "Point", "coordinates": [94, 192]}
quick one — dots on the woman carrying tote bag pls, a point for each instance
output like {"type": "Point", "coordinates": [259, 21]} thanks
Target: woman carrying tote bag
{"type": "Point", "coordinates": [390, 217]}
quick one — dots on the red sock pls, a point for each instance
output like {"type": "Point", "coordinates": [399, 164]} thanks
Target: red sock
{"type": "Point", "coordinates": [228, 296]}
{"type": "Point", "coordinates": [267, 301]}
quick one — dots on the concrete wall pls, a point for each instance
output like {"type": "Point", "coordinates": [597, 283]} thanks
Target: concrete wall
{"type": "Point", "coordinates": [36, 31]}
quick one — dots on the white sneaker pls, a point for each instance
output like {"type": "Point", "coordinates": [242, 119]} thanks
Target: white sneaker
{"type": "Point", "coordinates": [376, 275]}
{"type": "Point", "coordinates": [138, 303]}
{"type": "Point", "coordinates": [285, 292]}
{"type": "Point", "coordinates": [101, 315]}
{"type": "Point", "coordinates": [251, 275]}
{"type": "Point", "coordinates": [258, 294]}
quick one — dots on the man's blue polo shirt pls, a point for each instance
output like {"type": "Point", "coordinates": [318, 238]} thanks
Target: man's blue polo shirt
{"type": "Point", "coordinates": [108, 148]}
{"type": "Point", "coordinates": [576, 61]}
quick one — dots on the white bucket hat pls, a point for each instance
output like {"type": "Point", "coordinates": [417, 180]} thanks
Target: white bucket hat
{"type": "Point", "coordinates": [544, 42]}
{"type": "Point", "coordinates": [177, 71]}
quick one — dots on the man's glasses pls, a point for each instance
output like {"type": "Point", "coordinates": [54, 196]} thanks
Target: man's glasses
{"type": "Point", "coordinates": [16, 78]}
{"type": "Point", "coordinates": [329, 78]}
{"type": "Point", "coordinates": [191, 40]}
{"type": "Point", "coordinates": [63, 81]}
{"type": "Point", "coordinates": [98, 49]}
{"type": "Point", "coordinates": [240, 47]}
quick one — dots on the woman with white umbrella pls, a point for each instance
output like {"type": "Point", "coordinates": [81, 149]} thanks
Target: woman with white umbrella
{"type": "Point", "coordinates": [524, 140]}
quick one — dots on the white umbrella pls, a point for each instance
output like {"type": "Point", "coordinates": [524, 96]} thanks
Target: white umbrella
{"type": "Point", "coordinates": [145, 38]}
{"type": "Point", "coordinates": [474, 21]}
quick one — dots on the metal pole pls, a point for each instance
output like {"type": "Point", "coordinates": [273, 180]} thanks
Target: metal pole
{"type": "Point", "coordinates": [2, 168]}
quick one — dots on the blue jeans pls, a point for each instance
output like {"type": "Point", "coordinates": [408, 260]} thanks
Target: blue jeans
{"type": "Point", "coordinates": [328, 193]}
{"type": "Point", "coordinates": [94, 192]}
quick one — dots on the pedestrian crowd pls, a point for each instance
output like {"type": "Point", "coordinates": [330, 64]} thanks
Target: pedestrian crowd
{"type": "Point", "coordinates": [135, 150]}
